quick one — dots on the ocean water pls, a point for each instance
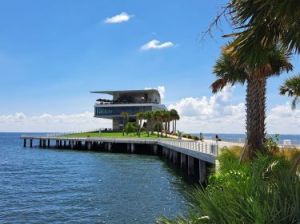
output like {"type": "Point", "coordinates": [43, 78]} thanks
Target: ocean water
{"type": "Point", "coordinates": [64, 186]}
{"type": "Point", "coordinates": [295, 139]}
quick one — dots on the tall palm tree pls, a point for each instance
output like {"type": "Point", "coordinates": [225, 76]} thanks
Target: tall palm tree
{"type": "Point", "coordinates": [230, 70]}
{"type": "Point", "coordinates": [166, 119]}
{"type": "Point", "coordinates": [175, 117]}
{"type": "Point", "coordinates": [158, 121]}
{"type": "Point", "coordinates": [291, 87]}
{"type": "Point", "coordinates": [139, 119]}
{"type": "Point", "coordinates": [262, 23]}
{"type": "Point", "coordinates": [149, 117]}
{"type": "Point", "coordinates": [125, 120]}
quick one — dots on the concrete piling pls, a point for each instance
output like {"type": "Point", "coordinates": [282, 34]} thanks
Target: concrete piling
{"type": "Point", "coordinates": [183, 161]}
{"type": "Point", "coordinates": [202, 171]}
{"type": "Point", "coordinates": [132, 148]}
{"type": "Point", "coordinates": [191, 170]}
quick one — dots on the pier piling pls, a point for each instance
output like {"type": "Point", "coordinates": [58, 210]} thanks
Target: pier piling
{"type": "Point", "coordinates": [193, 159]}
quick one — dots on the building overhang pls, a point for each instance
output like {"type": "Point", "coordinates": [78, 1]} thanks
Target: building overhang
{"type": "Point", "coordinates": [113, 92]}
{"type": "Point", "coordinates": [132, 105]}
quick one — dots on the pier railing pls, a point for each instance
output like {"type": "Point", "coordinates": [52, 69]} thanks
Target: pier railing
{"type": "Point", "coordinates": [199, 146]}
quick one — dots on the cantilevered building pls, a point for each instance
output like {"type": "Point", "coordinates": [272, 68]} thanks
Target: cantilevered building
{"type": "Point", "coordinates": [130, 101]}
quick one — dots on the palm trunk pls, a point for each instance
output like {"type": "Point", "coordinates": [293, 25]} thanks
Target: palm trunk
{"type": "Point", "coordinates": [175, 126]}
{"type": "Point", "coordinates": [255, 117]}
{"type": "Point", "coordinates": [123, 126]}
{"type": "Point", "coordinates": [166, 128]}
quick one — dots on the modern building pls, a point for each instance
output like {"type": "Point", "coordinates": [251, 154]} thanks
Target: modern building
{"type": "Point", "coordinates": [130, 101]}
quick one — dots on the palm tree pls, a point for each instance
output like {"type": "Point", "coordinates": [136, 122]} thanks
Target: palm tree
{"type": "Point", "coordinates": [166, 119]}
{"type": "Point", "coordinates": [263, 23]}
{"type": "Point", "coordinates": [158, 121]}
{"type": "Point", "coordinates": [149, 118]}
{"type": "Point", "coordinates": [175, 117]}
{"type": "Point", "coordinates": [230, 70]}
{"type": "Point", "coordinates": [291, 87]}
{"type": "Point", "coordinates": [139, 119]}
{"type": "Point", "coordinates": [125, 119]}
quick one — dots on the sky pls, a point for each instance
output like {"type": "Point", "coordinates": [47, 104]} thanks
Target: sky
{"type": "Point", "coordinates": [54, 52]}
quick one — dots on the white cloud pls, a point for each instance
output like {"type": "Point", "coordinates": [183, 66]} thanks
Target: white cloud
{"type": "Point", "coordinates": [214, 114]}
{"type": "Point", "coordinates": [282, 119]}
{"type": "Point", "coordinates": [120, 18]}
{"type": "Point", "coordinates": [52, 123]}
{"type": "Point", "coordinates": [155, 44]}
{"type": "Point", "coordinates": [218, 114]}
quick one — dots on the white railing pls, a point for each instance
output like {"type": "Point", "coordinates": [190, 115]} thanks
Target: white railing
{"type": "Point", "coordinates": [199, 146]}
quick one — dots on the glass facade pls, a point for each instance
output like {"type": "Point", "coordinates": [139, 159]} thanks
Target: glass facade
{"type": "Point", "coordinates": [116, 111]}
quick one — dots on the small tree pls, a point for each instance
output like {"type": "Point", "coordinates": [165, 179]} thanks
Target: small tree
{"type": "Point", "coordinates": [130, 127]}
{"type": "Point", "coordinates": [125, 120]}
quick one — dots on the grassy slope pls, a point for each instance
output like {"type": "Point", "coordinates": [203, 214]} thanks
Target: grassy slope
{"type": "Point", "coordinates": [110, 135]}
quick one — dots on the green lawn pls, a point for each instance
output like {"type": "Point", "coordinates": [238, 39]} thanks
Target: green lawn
{"type": "Point", "coordinates": [110, 135]}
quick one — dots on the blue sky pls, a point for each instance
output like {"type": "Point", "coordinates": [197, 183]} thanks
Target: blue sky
{"type": "Point", "coordinates": [53, 52]}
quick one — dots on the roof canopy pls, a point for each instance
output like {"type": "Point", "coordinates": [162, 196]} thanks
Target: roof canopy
{"type": "Point", "coordinates": [113, 92]}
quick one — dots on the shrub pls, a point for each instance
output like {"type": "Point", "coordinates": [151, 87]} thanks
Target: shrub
{"type": "Point", "coordinates": [195, 138]}
{"type": "Point", "coordinates": [189, 136]}
{"type": "Point", "coordinates": [264, 191]}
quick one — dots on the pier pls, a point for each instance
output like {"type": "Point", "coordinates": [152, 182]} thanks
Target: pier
{"type": "Point", "coordinates": [194, 158]}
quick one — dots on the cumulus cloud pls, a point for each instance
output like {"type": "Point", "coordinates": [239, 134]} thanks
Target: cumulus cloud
{"type": "Point", "coordinates": [218, 114]}
{"type": "Point", "coordinates": [156, 44]}
{"type": "Point", "coordinates": [120, 18]}
{"type": "Point", "coordinates": [282, 119]}
{"type": "Point", "coordinates": [52, 123]}
{"type": "Point", "coordinates": [211, 114]}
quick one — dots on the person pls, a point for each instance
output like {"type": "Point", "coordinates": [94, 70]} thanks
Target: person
{"type": "Point", "coordinates": [201, 138]}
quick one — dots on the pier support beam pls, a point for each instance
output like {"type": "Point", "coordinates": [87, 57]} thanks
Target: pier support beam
{"type": "Point", "coordinates": [57, 144]}
{"type": "Point", "coordinates": [202, 171]}
{"type": "Point", "coordinates": [88, 145]}
{"type": "Point", "coordinates": [183, 161]}
{"type": "Point", "coordinates": [167, 151]}
{"type": "Point", "coordinates": [48, 143]}
{"type": "Point", "coordinates": [109, 146]}
{"type": "Point", "coordinates": [24, 143]}
{"type": "Point", "coordinates": [191, 170]}
{"type": "Point", "coordinates": [132, 148]}
{"type": "Point", "coordinates": [71, 144]}
{"type": "Point", "coordinates": [170, 157]}
{"type": "Point", "coordinates": [31, 143]}
{"type": "Point", "coordinates": [154, 148]}
{"type": "Point", "coordinates": [176, 158]}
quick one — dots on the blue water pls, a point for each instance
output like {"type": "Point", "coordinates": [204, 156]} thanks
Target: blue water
{"type": "Point", "coordinates": [64, 186]}
{"type": "Point", "coordinates": [295, 139]}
